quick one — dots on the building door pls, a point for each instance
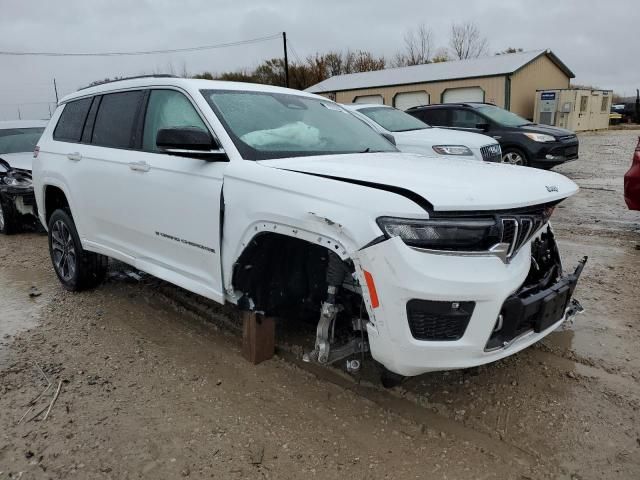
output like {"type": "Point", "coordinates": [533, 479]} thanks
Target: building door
{"type": "Point", "coordinates": [405, 100]}
{"type": "Point", "coordinates": [465, 94]}
{"type": "Point", "coordinates": [376, 99]}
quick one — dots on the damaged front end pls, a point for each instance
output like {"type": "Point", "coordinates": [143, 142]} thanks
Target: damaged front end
{"type": "Point", "coordinates": [17, 199]}
{"type": "Point", "coordinates": [543, 300]}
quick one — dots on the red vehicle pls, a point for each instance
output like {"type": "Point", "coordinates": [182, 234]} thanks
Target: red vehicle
{"type": "Point", "coordinates": [632, 182]}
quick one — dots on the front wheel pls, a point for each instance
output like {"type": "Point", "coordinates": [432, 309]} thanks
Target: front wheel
{"type": "Point", "coordinates": [514, 156]}
{"type": "Point", "coordinates": [7, 218]}
{"type": "Point", "coordinates": [76, 268]}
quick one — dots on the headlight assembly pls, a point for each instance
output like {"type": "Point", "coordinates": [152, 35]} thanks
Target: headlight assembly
{"type": "Point", "coordinates": [17, 180]}
{"type": "Point", "coordinates": [540, 137]}
{"type": "Point", "coordinates": [465, 234]}
{"type": "Point", "coordinates": [452, 150]}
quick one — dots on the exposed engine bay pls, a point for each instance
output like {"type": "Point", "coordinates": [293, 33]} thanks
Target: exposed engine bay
{"type": "Point", "coordinates": [16, 196]}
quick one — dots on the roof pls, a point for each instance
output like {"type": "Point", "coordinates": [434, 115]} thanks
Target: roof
{"type": "Point", "coordinates": [189, 84]}
{"type": "Point", "coordinates": [433, 72]}
{"type": "Point", "coordinates": [5, 125]}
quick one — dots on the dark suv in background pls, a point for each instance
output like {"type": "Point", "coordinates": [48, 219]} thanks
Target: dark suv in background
{"type": "Point", "coordinates": [522, 142]}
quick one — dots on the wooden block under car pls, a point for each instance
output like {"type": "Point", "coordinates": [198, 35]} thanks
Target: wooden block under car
{"type": "Point", "coordinates": [258, 337]}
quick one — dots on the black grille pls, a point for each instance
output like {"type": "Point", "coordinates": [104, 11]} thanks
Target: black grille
{"type": "Point", "coordinates": [438, 321]}
{"type": "Point", "coordinates": [491, 153]}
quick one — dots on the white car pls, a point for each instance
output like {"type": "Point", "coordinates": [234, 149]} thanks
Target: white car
{"type": "Point", "coordinates": [281, 202]}
{"type": "Point", "coordinates": [412, 135]}
{"type": "Point", "coordinates": [18, 139]}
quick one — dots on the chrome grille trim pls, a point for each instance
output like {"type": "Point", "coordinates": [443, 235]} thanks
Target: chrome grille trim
{"type": "Point", "coordinates": [518, 230]}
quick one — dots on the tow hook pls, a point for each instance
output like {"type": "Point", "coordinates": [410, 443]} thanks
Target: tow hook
{"type": "Point", "coordinates": [574, 309]}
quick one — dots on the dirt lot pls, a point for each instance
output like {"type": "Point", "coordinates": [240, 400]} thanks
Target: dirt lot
{"type": "Point", "coordinates": [153, 387]}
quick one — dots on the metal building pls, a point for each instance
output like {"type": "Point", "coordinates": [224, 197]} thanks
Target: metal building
{"type": "Point", "coordinates": [574, 109]}
{"type": "Point", "coordinates": [509, 81]}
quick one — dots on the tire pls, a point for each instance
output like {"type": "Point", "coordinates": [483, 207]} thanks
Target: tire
{"type": "Point", "coordinates": [514, 156]}
{"type": "Point", "coordinates": [8, 223]}
{"type": "Point", "coordinates": [76, 268]}
{"type": "Point", "coordinates": [389, 379]}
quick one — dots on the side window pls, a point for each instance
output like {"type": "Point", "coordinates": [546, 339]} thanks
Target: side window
{"type": "Point", "coordinates": [69, 127]}
{"type": "Point", "coordinates": [168, 109]}
{"type": "Point", "coordinates": [465, 118]}
{"type": "Point", "coordinates": [435, 117]}
{"type": "Point", "coordinates": [116, 118]}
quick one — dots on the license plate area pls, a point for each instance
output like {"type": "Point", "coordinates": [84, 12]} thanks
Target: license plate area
{"type": "Point", "coordinates": [535, 312]}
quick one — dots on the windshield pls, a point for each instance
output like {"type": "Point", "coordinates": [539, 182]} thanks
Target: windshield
{"type": "Point", "coordinates": [16, 140]}
{"type": "Point", "coordinates": [392, 119]}
{"type": "Point", "coordinates": [503, 117]}
{"type": "Point", "coordinates": [265, 125]}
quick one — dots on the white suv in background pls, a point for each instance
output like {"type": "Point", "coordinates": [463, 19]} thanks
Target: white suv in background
{"type": "Point", "coordinates": [412, 135]}
{"type": "Point", "coordinates": [281, 202]}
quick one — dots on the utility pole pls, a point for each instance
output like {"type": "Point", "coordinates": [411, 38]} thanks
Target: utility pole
{"type": "Point", "coordinates": [19, 114]}
{"type": "Point", "coordinates": [286, 60]}
{"type": "Point", "coordinates": [55, 89]}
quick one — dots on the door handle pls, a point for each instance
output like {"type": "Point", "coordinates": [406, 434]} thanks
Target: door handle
{"type": "Point", "coordinates": [140, 166]}
{"type": "Point", "coordinates": [75, 156]}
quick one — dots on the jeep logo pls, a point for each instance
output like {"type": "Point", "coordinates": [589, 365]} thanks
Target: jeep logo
{"type": "Point", "coordinates": [551, 188]}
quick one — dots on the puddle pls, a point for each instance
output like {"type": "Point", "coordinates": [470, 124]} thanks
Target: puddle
{"type": "Point", "coordinates": [18, 310]}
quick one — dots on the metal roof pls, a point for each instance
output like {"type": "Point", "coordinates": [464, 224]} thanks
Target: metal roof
{"type": "Point", "coordinates": [433, 72]}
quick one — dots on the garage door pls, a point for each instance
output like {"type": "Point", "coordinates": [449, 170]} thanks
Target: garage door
{"type": "Point", "coordinates": [377, 99]}
{"type": "Point", "coordinates": [467, 94]}
{"type": "Point", "coordinates": [405, 100]}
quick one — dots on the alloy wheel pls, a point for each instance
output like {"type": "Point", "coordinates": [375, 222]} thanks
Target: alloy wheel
{"type": "Point", "coordinates": [513, 158]}
{"type": "Point", "coordinates": [64, 251]}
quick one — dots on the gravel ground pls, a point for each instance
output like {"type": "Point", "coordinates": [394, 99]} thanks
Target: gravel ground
{"type": "Point", "coordinates": [152, 387]}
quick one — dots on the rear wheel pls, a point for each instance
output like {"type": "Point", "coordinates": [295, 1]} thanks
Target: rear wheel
{"type": "Point", "coordinates": [76, 268]}
{"type": "Point", "coordinates": [514, 156]}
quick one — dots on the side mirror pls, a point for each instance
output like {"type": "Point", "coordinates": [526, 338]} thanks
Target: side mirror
{"type": "Point", "coordinates": [389, 137]}
{"type": "Point", "coordinates": [188, 142]}
{"type": "Point", "coordinates": [483, 126]}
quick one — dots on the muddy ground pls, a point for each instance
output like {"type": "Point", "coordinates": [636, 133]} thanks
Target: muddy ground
{"type": "Point", "coordinates": [153, 385]}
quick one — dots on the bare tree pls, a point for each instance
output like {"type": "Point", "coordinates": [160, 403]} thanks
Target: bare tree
{"type": "Point", "coordinates": [466, 41]}
{"type": "Point", "coordinates": [418, 44]}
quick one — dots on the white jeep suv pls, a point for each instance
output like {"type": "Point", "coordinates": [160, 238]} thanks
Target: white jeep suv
{"type": "Point", "coordinates": [281, 202]}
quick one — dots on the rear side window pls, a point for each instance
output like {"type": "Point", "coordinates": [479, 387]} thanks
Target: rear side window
{"type": "Point", "coordinates": [436, 117]}
{"type": "Point", "coordinates": [115, 119]}
{"type": "Point", "coordinates": [465, 118]}
{"type": "Point", "coordinates": [69, 127]}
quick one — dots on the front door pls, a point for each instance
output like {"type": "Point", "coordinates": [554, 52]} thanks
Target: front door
{"type": "Point", "coordinates": [175, 205]}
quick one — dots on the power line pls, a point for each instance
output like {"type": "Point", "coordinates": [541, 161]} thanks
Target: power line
{"type": "Point", "coordinates": [147, 52]}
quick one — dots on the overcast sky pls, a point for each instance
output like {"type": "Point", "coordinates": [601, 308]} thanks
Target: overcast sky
{"type": "Point", "coordinates": [597, 39]}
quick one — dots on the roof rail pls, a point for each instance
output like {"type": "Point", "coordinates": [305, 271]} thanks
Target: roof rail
{"type": "Point", "coordinates": [155, 75]}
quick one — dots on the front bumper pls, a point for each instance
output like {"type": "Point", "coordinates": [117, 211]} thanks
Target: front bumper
{"type": "Point", "coordinates": [555, 153]}
{"type": "Point", "coordinates": [21, 200]}
{"type": "Point", "coordinates": [402, 274]}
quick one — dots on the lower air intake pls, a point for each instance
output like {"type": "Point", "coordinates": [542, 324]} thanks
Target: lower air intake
{"type": "Point", "coordinates": [438, 321]}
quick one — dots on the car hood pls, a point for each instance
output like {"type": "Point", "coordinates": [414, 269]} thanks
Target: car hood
{"type": "Point", "coordinates": [22, 160]}
{"type": "Point", "coordinates": [464, 185]}
{"type": "Point", "coordinates": [443, 136]}
{"type": "Point", "coordinates": [546, 129]}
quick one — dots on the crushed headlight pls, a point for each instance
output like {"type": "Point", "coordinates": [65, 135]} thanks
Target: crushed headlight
{"type": "Point", "coordinates": [540, 137]}
{"type": "Point", "coordinates": [452, 150]}
{"type": "Point", "coordinates": [14, 179]}
{"type": "Point", "coordinates": [466, 234]}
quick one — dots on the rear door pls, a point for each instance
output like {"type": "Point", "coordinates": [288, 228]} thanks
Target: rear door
{"type": "Point", "coordinates": [103, 197]}
{"type": "Point", "coordinates": [173, 205]}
